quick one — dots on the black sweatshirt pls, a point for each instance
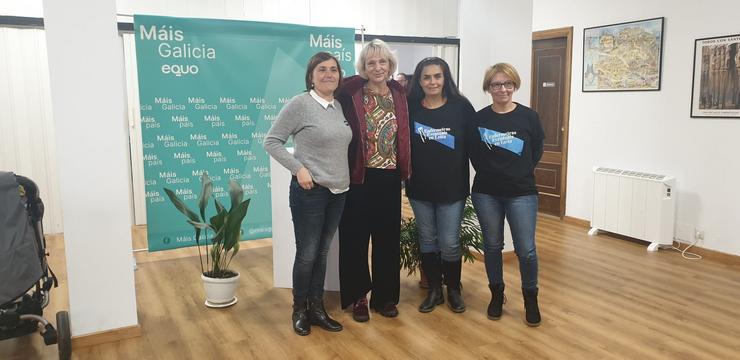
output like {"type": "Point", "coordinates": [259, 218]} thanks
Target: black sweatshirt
{"type": "Point", "coordinates": [504, 149]}
{"type": "Point", "coordinates": [439, 159]}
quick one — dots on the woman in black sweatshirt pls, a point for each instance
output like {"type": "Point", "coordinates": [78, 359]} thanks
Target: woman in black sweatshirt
{"type": "Point", "coordinates": [440, 176]}
{"type": "Point", "coordinates": [506, 142]}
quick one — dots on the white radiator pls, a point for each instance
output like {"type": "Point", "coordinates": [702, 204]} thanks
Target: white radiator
{"type": "Point", "coordinates": [634, 204]}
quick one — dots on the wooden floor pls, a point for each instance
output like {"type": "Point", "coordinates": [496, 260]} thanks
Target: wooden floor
{"type": "Point", "coordinates": [601, 298]}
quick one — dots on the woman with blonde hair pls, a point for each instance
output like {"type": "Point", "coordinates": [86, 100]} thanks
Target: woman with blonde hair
{"type": "Point", "coordinates": [375, 107]}
{"type": "Point", "coordinates": [506, 143]}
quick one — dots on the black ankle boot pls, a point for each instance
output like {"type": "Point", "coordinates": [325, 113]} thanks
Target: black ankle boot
{"type": "Point", "coordinates": [318, 316]}
{"type": "Point", "coordinates": [497, 301]}
{"type": "Point", "coordinates": [532, 310]}
{"type": "Point", "coordinates": [301, 324]}
{"type": "Point", "coordinates": [431, 266]}
{"type": "Point", "coordinates": [434, 298]}
{"type": "Point", "coordinates": [451, 271]}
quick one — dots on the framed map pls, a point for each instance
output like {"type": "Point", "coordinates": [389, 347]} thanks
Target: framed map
{"type": "Point", "coordinates": [715, 89]}
{"type": "Point", "coordinates": [623, 57]}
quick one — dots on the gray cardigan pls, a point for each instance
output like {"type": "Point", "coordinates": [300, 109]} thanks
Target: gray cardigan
{"type": "Point", "coordinates": [321, 137]}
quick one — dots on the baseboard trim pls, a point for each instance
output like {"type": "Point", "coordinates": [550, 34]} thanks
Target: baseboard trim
{"type": "Point", "coordinates": [576, 221]}
{"type": "Point", "coordinates": [107, 336]}
{"type": "Point", "coordinates": [706, 253]}
{"type": "Point", "coordinates": [725, 258]}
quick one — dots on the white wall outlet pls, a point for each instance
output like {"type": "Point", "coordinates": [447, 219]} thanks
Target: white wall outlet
{"type": "Point", "coordinates": [698, 234]}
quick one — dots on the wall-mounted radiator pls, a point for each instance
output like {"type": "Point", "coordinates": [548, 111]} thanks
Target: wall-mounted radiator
{"type": "Point", "coordinates": [634, 204]}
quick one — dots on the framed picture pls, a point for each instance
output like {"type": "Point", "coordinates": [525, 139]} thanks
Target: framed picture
{"type": "Point", "coordinates": [623, 57]}
{"type": "Point", "coordinates": [715, 88]}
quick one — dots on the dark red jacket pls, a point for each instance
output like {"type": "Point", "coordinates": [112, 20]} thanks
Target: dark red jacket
{"type": "Point", "coordinates": [350, 96]}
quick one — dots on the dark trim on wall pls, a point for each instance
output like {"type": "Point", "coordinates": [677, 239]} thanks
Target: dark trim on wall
{"type": "Point", "coordinates": [126, 26]}
{"type": "Point", "coordinates": [22, 21]}
{"type": "Point", "coordinates": [410, 39]}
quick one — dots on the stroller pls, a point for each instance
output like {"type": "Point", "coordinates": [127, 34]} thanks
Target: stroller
{"type": "Point", "coordinates": [25, 276]}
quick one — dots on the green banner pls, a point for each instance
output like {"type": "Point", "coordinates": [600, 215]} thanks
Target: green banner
{"type": "Point", "coordinates": [209, 92]}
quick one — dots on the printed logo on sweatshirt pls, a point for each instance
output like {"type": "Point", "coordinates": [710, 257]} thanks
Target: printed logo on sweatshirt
{"type": "Point", "coordinates": [505, 140]}
{"type": "Point", "coordinates": [441, 135]}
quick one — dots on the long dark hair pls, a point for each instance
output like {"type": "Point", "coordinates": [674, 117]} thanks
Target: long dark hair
{"type": "Point", "coordinates": [314, 61]}
{"type": "Point", "coordinates": [449, 89]}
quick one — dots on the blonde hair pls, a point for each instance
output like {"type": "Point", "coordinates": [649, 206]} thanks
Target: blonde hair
{"type": "Point", "coordinates": [504, 68]}
{"type": "Point", "coordinates": [379, 48]}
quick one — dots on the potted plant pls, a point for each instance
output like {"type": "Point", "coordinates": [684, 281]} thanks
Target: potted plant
{"type": "Point", "coordinates": [471, 238]}
{"type": "Point", "coordinates": [220, 248]}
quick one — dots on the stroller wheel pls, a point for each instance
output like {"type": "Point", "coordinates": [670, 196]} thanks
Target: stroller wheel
{"type": "Point", "coordinates": [64, 337]}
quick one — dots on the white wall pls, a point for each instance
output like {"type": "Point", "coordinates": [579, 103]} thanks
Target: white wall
{"type": "Point", "coordinates": [27, 141]}
{"type": "Point", "coordinates": [652, 131]}
{"type": "Point", "coordinates": [26, 8]}
{"type": "Point", "coordinates": [492, 32]}
{"type": "Point", "coordinates": [433, 18]}
{"type": "Point", "coordinates": [86, 80]}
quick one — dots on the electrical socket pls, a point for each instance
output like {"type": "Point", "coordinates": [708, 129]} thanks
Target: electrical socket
{"type": "Point", "coordinates": [698, 234]}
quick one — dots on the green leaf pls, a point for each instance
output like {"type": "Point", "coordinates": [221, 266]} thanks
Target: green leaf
{"type": "Point", "coordinates": [234, 223]}
{"type": "Point", "coordinates": [219, 206]}
{"type": "Point", "coordinates": [206, 189]}
{"type": "Point", "coordinates": [237, 194]}
{"type": "Point", "coordinates": [218, 236]}
{"type": "Point", "coordinates": [217, 222]}
{"type": "Point", "coordinates": [199, 225]}
{"type": "Point", "coordinates": [180, 205]}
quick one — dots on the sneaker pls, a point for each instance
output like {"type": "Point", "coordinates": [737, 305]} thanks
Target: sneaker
{"type": "Point", "coordinates": [389, 310]}
{"type": "Point", "coordinates": [360, 313]}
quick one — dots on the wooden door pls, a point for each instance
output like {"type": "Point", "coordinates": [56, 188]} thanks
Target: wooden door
{"type": "Point", "coordinates": [551, 64]}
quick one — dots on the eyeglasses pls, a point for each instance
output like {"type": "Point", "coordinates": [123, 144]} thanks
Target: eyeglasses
{"type": "Point", "coordinates": [507, 85]}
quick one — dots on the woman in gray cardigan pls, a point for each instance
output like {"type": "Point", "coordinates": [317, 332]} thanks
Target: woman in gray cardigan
{"type": "Point", "coordinates": [320, 180]}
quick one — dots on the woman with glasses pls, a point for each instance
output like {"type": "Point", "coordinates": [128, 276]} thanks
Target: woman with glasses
{"type": "Point", "coordinates": [440, 177]}
{"type": "Point", "coordinates": [375, 107]}
{"type": "Point", "coordinates": [506, 143]}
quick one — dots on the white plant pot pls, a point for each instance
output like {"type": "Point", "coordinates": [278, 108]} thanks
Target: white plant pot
{"type": "Point", "coordinates": [220, 292]}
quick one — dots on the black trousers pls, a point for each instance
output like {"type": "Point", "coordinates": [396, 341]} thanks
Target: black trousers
{"type": "Point", "coordinates": [372, 210]}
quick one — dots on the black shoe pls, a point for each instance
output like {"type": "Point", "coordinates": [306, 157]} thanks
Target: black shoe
{"type": "Point", "coordinates": [434, 298]}
{"type": "Point", "coordinates": [451, 271]}
{"type": "Point", "coordinates": [454, 300]}
{"type": "Point", "coordinates": [318, 316]}
{"type": "Point", "coordinates": [531, 309]}
{"type": "Point", "coordinates": [301, 323]}
{"type": "Point", "coordinates": [495, 307]}
{"type": "Point", "coordinates": [389, 310]}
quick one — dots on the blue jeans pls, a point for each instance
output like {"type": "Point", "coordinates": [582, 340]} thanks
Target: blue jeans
{"type": "Point", "coordinates": [439, 227]}
{"type": "Point", "coordinates": [316, 215]}
{"type": "Point", "coordinates": [521, 212]}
